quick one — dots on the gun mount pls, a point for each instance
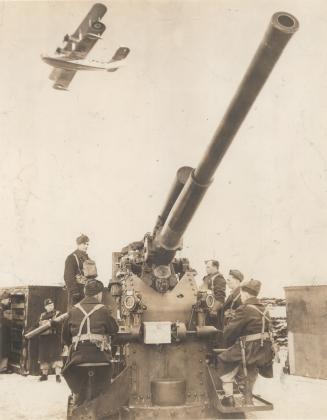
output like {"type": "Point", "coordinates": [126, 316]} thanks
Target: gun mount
{"type": "Point", "coordinates": [163, 334]}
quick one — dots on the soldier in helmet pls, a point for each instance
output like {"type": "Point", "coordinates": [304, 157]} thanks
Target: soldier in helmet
{"type": "Point", "coordinates": [50, 343]}
{"type": "Point", "coordinates": [233, 301]}
{"type": "Point", "coordinates": [248, 342]}
{"type": "Point", "coordinates": [87, 331]}
{"type": "Point", "coordinates": [73, 274]}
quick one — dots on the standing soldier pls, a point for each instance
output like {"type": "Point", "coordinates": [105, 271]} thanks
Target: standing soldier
{"type": "Point", "coordinates": [249, 344]}
{"type": "Point", "coordinates": [73, 275]}
{"type": "Point", "coordinates": [87, 331]}
{"type": "Point", "coordinates": [50, 343]}
{"type": "Point", "coordinates": [215, 281]}
{"type": "Point", "coordinates": [233, 300]}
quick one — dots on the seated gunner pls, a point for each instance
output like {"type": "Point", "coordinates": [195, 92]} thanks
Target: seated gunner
{"type": "Point", "coordinates": [87, 331]}
{"type": "Point", "coordinates": [248, 333]}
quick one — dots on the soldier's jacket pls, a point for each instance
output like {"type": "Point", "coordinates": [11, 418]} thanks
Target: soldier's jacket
{"type": "Point", "coordinates": [48, 316]}
{"type": "Point", "coordinates": [50, 340]}
{"type": "Point", "coordinates": [232, 302]}
{"type": "Point", "coordinates": [247, 321]}
{"type": "Point", "coordinates": [101, 322]}
{"type": "Point", "coordinates": [217, 284]}
{"type": "Point", "coordinates": [72, 270]}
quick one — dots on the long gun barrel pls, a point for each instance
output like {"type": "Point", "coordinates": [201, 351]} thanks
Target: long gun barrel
{"type": "Point", "coordinates": [281, 28]}
{"type": "Point", "coordinates": [39, 330]}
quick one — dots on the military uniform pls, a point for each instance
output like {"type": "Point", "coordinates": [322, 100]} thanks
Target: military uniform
{"type": "Point", "coordinates": [87, 331]}
{"type": "Point", "coordinates": [250, 318]}
{"type": "Point", "coordinates": [232, 302]}
{"type": "Point", "coordinates": [217, 284]}
{"type": "Point", "coordinates": [72, 275]}
{"type": "Point", "coordinates": [50, 344]}
{"type": "Point", "coordinates": [248, 333]}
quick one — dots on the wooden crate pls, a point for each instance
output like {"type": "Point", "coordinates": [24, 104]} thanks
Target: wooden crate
{"type": "Point", "coordinates": [26, 307]}
{"type": "Point", "coordinates": [306, 310]}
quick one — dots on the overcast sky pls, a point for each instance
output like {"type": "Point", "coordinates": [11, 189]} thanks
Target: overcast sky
{"type": "Point", "coordinates": [100, 158]}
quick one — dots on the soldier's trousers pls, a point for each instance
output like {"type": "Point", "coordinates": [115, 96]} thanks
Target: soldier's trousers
{"type": "Point", "coordinates": [73, 298]}
{"type": "Point", "coordinates": [228, 377]}
{"type": "Point", "coordinates": [56, 365]}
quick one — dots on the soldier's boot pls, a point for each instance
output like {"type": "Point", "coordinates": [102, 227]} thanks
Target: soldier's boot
{"type": "Point", "coordinates": [70, 406]}
{"type": "Point", "coordinates": [228, 401]}
{"type": "Point", "coordinates": [43, 377]}
{"type": "Point", "coordinates": [58, 379]}
{"type": "Point", "coordinates": [246, 383]}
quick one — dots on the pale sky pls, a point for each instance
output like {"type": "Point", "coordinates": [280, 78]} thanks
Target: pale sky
{"type": "Point", "coordinates": [100, 159]}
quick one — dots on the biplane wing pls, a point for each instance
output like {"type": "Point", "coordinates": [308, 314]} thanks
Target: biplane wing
{"type": "Point", "coordinates": [80, 43]}
{"type": "Point", "coordinates": [95, 14]}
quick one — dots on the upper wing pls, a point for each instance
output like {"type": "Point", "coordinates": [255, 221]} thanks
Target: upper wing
{"type": "Point", "coordinates": [62, 78]}
{"type": "Point", "coordinates": [95, 14]}
{"type": "Point", "coordinates": [87, 34]}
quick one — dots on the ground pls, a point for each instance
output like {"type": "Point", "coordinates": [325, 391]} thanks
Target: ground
{"type": "Point", "coordinates": [25, 398]}
{"type": "Point", "coordinates": [294, 397]}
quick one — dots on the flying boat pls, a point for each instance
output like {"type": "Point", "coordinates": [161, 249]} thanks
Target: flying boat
{"type": "Point", "coordinates": [71, 58]}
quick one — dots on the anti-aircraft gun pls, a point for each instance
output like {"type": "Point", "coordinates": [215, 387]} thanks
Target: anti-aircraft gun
{"type": "Point", "coordinates": [163, 336]}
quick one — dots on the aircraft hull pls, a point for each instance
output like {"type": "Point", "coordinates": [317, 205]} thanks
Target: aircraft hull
{"type": "Point", "coordinates": [70, 65]}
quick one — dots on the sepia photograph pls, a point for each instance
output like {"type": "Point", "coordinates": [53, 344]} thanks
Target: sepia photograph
{"type": "Point", "coordinates": [163, 182]}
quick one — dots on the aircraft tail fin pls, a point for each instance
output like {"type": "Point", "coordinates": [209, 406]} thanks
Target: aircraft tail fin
{"type": "Point", "coordinates": [120, 54]}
